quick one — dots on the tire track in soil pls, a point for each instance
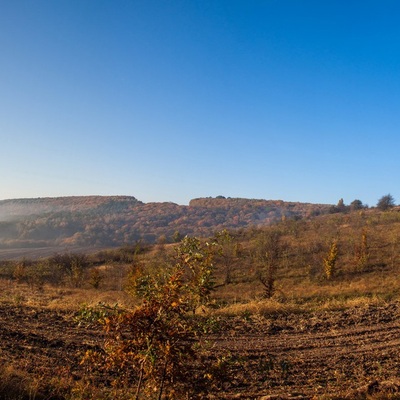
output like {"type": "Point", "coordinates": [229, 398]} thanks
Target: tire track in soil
{"type": "Point", "coordinates": [335, 359]}
{"type": "Point", "coordinates": [296, 356]}
{"type": "Point", "coordinates": [33, 340]}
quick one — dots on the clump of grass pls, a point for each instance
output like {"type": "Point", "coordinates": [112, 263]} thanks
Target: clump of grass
{"type": "Point", "coordinates": [16, 384]}
{"type": "Point", "coordinates": [262, 307]}
{"type": "Point", "coordinates": [336, 304]}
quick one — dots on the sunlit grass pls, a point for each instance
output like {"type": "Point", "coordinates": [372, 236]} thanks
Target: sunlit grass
{"type": "Point", "coordinates": [60, 298]}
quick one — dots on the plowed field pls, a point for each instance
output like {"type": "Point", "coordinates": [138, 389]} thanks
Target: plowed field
{"type": "Point", "coordinates": [353, 353]}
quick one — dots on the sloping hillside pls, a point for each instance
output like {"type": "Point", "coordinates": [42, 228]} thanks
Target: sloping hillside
{"type": "Point", "coordinates": [11, 209]}
{"type": "Point", "coordinates": [115, 220]}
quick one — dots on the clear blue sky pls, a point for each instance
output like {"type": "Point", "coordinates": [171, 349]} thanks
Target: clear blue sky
{"type": "Point", "coordinates": [168, 100]}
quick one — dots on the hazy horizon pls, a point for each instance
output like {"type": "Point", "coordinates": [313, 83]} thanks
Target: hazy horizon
{"type": "Point", "coordinates": [170, 101]}
{"type": "Point", "coordinates": [161, 201]}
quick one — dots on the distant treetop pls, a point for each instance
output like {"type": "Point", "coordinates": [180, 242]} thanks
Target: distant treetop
{"type": "Point", "coordinates": [386, 202]}
{"type": "Point", "coordinates": [356, 205]}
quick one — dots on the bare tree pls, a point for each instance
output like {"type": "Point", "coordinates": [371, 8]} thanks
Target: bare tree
{"type": "Point", "coordinates": [267, 255]}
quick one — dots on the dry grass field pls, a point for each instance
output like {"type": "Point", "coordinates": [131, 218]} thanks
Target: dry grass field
{"type": "Point", "coordinates": [276, 326]}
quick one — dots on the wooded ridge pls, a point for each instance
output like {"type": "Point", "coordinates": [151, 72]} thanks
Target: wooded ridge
{"type": "Point", "coordinates": [117, 220]}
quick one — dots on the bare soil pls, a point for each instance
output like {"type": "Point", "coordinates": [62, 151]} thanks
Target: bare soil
{"type": "Point", "coordinates": [353, 353]}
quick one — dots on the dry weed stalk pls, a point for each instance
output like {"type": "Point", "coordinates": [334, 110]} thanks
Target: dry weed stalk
{"type": "Point", "coordinates": [330, 261]}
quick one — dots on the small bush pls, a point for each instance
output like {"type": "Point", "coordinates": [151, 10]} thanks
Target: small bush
{"type": "Point", "coordinates": [330, 261]}
{"type": "Point", "coordinates": [149, 348]}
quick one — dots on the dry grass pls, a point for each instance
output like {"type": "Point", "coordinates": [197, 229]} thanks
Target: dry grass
{"type": "Point", "coordinates": [60, 298]}
{"type": "Point", "coordinates": [299, 282]}
{"type": "Point", "coordinates": [277, 306]}
{"type": "Point", "coordinates": [259, 307]}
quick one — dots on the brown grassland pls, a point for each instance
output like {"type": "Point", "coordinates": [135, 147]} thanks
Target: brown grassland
{"type": "Point", "coordinates": [304, 309]}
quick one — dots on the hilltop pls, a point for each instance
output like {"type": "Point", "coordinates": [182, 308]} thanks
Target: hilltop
{"type": "Point", "coordinates": [102, 221]}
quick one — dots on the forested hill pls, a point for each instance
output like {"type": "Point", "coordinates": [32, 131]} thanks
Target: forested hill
{"type": "Point", "coordinates": [10, 209]}
{"type": "Point", "coordinates": [117, 220]}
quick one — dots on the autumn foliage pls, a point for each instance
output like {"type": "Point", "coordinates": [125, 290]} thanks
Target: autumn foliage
{"type": "Point", "coordinates": [149, 348]}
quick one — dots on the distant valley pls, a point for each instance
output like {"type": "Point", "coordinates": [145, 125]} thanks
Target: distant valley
{"type": "Point", "coordinates": [107, 221]}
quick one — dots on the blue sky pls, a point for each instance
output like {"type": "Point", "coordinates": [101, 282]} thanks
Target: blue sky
{"type": "Point", "coordinates": [172, 100]}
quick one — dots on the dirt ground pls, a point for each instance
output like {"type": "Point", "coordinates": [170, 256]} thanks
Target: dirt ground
{"type": "Point", "coordinates": [328, 354]}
